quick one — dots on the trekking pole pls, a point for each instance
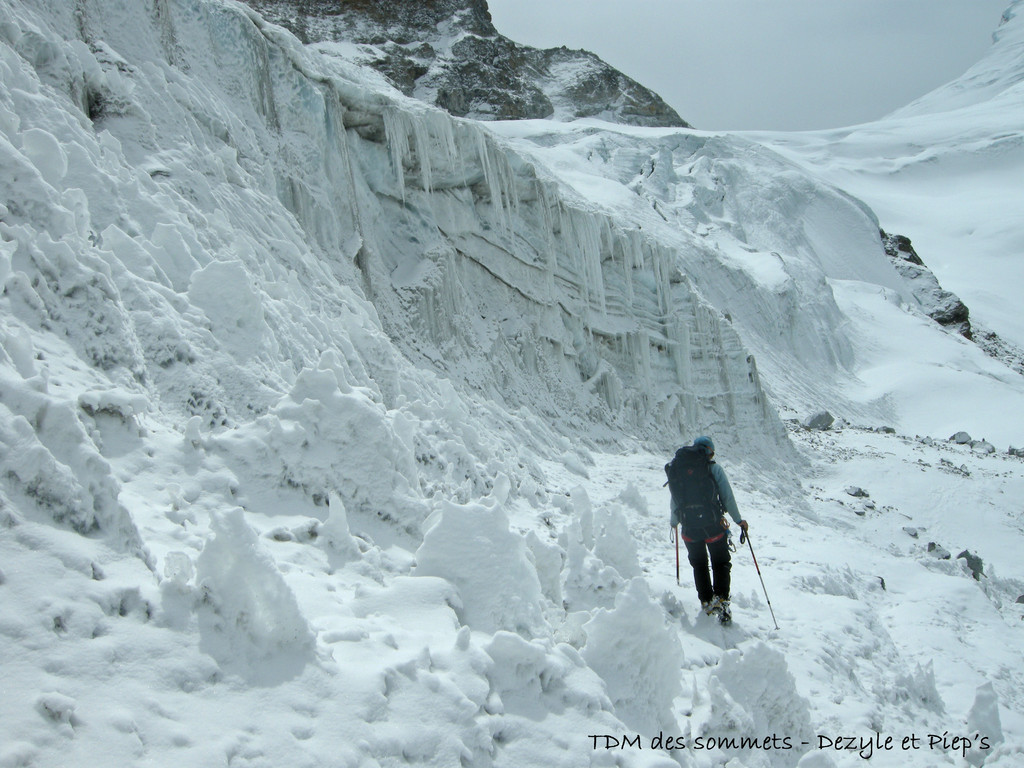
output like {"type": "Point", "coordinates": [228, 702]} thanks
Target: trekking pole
{"type": "Point", "coordinates": [747, 535]}
{"type": "Point", "coordinates": [675, 535]}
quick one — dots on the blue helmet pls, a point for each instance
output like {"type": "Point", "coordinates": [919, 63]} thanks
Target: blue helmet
{"type": "Point", "coordinates": [706, 442]}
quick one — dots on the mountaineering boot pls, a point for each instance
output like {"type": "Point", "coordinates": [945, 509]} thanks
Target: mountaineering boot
{"type": "Point", "coordinates": [724, 611]}
{"type": "Point", "coordinates": [712, 607]}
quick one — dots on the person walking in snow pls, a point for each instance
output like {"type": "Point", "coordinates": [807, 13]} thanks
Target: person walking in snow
{"type": "Point", "coordinates": [701, 495]}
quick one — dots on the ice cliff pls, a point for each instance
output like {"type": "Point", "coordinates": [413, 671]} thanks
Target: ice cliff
{"type": "Point", "coordinates": [387, 234]}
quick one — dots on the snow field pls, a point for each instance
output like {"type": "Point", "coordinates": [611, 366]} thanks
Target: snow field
{"type": "Point", "coordinates": [877, 634]}
{"type": "Point", "coordinates": [943, 171]}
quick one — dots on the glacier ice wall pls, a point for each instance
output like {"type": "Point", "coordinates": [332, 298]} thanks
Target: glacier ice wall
{"type": "Point", "coordinates": [241, 207]}
{"type": "Point", "coordinates": [526, 293]}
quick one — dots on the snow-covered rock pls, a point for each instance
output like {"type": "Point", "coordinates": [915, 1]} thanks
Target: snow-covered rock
{"type": "Point", "coordinates": [249, 619]}
{"type": "Point", "coordinates": [448, 53]}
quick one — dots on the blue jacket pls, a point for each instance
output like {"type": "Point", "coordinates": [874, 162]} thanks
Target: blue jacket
{"type": "Point", "coordinates": [724, 494]}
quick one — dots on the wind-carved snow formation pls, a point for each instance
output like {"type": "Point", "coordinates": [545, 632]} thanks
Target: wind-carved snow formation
{"type": "Point", "coordinates": [285, 357]}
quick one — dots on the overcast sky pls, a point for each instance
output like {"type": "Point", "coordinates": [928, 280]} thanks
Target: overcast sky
{"type": "Point", "coordinates": [768, 64]}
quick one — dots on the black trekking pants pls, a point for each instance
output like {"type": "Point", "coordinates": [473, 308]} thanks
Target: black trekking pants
{"type": "Point", "coordinates": [721, 565]}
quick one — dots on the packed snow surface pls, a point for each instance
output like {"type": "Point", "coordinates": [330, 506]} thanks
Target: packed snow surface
{"type": "Point", "coordinates": [332, 428]}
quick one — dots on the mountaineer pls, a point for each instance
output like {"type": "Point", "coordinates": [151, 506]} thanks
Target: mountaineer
{"type": "Point", "coordinates": [701, 496]}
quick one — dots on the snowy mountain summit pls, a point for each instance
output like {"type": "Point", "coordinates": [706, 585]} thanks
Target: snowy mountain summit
{"type": "Point", "coordinates": [448, 53]}
{"type": "Point", "coordinates": [333, 424]}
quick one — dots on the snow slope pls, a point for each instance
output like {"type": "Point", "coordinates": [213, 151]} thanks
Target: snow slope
{"type": "Point", "coordinates": [944, 171]}
{"type": "Point", "coordinates": [332, 429]}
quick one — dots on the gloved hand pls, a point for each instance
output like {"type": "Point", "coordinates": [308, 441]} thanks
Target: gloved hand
{"type": "Point", "coordinates": [743, 527]}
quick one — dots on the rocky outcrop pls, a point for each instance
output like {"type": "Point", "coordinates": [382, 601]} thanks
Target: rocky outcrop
{"type": "Point", "coordinates": [943, 307]}
{"type": "Point", "coordinates": [448, 53]}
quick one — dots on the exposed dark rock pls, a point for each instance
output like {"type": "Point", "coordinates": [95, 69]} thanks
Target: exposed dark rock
{"type": "Point", "coordinates": [490, 78]}
{"type": "Point", "coordinates": [404, 67]}
{"type": "Point", "coordinates": [943, 307]}
{"type": "Point", "coordinates": [1010, 355]}
{"type": "Point", "coordinates": [821, 420]}
{"type": "Point", "coordinates": [447, 52]}
{"type": "Point", "coordinates": [899, 246]}
{"type": "Point", "coordinates": [857, 492]}
{"type": "Point", "coordinates": [974, 563]}
{"type": "Point", "coordinates": [948, 466]}
{"type": "Point", "coordinates": [960, 438]}
{"type": "Point", "coordinates": [938, 551]}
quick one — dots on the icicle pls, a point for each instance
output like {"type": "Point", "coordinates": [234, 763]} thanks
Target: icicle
{"type": "Point", "coordinates": [422, 137]}
{"type": "Point", "coordinates": [445, 137]}
{"type": "Point", "coordinates": [586, 230]}
{"type": "Point", "coordinates": [491, 176]}
{"type": "Point", "coordinates": [500, 178]}
{"type": "Point", "coordinates": [397, 131]}
{"type": "Point", "coordinates": [350, 177]}
{"type": "Point", "coordinates": [547, 226]}
{"type": "Point", "coordinates": [630, 245]}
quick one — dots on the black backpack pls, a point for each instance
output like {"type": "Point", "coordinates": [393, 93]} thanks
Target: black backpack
{"type": "Point", "coordinates": [694, 490]}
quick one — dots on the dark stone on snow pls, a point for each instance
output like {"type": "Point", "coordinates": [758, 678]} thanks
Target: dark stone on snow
{"type": "Point", "coordinates": [1020, 599]}
{"type": "Point", "coordinates": [857, 492]}
{"type": "Point", "coordinates": [974, 563]}
{"type": "Point", "coordinates": [982, 446]}
{"type": "Point", "coordinates": [900, 247]}
{"type": "Point", "coordinates": [961, 438]}
{"type": "Point", "coordinates": [942, 306]}
{"type": "Point", "coordinates": [938, 551]}
{"type": "Point", "coordinates": [821, 420]}
{"type": "Point", "coordinates": [999, 349]}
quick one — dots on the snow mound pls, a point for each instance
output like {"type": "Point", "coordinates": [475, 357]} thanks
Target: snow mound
{"type": "Point", "coordinates": [759, 680]}
{"type": "Point", "coordinates": [634, 652]}
{"type": "Point", "coordinates": [249, 619]}
{"type": "Point", "coordinates": [472, 547]}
